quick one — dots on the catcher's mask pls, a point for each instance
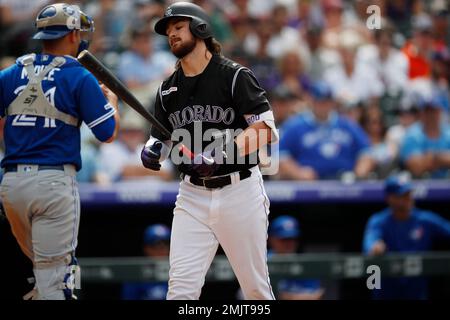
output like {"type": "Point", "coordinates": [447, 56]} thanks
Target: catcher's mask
{"type": "Point", "coordinates": [56, 20]}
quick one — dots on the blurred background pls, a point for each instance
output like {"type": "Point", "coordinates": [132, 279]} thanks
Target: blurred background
{"type": "Point", "coordinates": [378, 77]}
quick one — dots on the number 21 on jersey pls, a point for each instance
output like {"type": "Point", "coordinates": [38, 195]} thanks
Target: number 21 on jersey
{"type": "Point", "coordinates": [23, 120]}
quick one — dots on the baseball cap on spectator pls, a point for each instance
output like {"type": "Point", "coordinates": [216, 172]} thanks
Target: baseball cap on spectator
{"type": "Point", "coordinates": [436, 101]}
{"type": "Point", "coordinates": [284, 227]}
{"type": "Point", "coordinates": [155, 233]}
{"type": "Point", "coordinates": [321, 90]}
{"type": "Point", "coordinates": [350, 39]}
{"type": "Point", "coordinates": [422, 23]}
{"type": "Point", "coordinates": [283, 93]}
{"type": "Point", "coordinates": [405, 108]}
{"type": "Point", "coordinates": [398, 185]}
{"type": "Point", "coordinates": [314, 29]}
{"type": "Point", "coordinates": [441, 54]}
{"type": "Point", "coordinates": [439, 7]}
{"type": "Point", "coordinates": [407, 104]}
{"type": "Point", "coordinates": [139, 28]}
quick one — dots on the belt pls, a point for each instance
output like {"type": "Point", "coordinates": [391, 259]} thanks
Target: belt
{"type": "Point", "coordinates": [218, 182]}
{"type": "Point", "coordinates": [13, 168]}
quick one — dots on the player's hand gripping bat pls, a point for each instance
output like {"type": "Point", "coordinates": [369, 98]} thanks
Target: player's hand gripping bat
{"type": "Point", "coordinates": [101, 72]}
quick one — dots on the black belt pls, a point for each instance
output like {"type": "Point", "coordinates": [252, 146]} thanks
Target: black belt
{"type": "Point", "coordinates": [13, 168]}
{"type": "Point", "coordinates": [218, 182]}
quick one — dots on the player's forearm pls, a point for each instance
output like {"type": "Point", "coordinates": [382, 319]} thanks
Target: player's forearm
{"type": "Point", "coordinates": [114, 101]}
{"type": "Point", "coordinates": [116, 128]}
{"type": "Point", "coordinates": [419, 165]}
{"type": "Point", "coordinates": [442, 160]}
{"type": "Point", "coordinates": [364, 166]}
{"type": "Point", "coordinates": [253, 138]}
{"type": "Point", "coordinates": [289, 169]}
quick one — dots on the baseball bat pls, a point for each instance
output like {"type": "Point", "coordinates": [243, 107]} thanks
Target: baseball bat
{"type": "Point", "coordinates": [103, 74]}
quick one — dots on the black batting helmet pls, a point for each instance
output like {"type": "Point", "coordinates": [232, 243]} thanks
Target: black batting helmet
{"type": "Point", "coordinates": [199, 25]}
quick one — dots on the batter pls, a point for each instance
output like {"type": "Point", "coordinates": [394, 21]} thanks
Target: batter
{"type": "Point", "coordinates": [221, 200]}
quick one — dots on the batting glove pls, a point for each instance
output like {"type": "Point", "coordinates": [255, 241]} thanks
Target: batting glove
{"type": "Point", "coordinates": [204, 164]}
{"type": "Point", "coordinates": [150, 156]}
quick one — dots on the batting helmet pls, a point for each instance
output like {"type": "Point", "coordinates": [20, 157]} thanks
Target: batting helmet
{"type": "Point", "coordinates": [155, 233]}
{"type": "Point", "coordinates": [398, 184]}
{"type": "Point", "coordinates": [199, 25]}
{"type": "Point", "coordinates": [57, 20]}
{"type": "Point", "coordinates": [284, 227]}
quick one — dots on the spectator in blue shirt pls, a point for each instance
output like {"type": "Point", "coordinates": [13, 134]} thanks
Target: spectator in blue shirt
{"type": "Point", "coordinates": [156, 245]}
{"type": "Point", "coordinates": [321, 144]}
{"type": "Point", "coordinates": [402, 228]}
{"type": "Point", "coordinates": [426, 146]}
{"type": "Point", "coordinates": [284, 232]}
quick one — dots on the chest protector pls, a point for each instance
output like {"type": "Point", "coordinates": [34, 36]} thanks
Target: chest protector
{"type": "Point", "coordinates": [32, 101]}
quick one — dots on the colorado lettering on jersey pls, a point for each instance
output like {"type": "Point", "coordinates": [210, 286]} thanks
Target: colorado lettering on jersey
{"type": "Point", "coordinates": [37, 70]}
{"type": "Point", "coordinates": [213, 114]}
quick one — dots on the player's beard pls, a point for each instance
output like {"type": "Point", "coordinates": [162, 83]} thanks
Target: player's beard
{"type": "Point", "coordinates": [184, 49]}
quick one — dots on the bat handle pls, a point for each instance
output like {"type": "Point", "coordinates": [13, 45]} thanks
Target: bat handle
{"type": "Point", "coordinates": [188, 153]}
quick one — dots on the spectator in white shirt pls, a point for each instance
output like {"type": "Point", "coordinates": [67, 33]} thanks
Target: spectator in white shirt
{"type": "Point", "coordinates": [350, 78]}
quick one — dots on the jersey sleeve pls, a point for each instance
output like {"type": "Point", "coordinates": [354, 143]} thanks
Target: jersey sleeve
{"type": "Point", "coordinates": [160, 115]}
{"type": "Point", "coordinates": [96, 111]}
{"type": "Point", "coordinates": [410, 148]}
{"type": "Point", "coordinates": [439, 226]}
{"type": "Point", "coordinates": [289, 139]}
{"type": "Point", "coordinates": [362, 142]}
{"type": "Point", "coordinates": [372, 234]}
{"type": "Point", "coordinates": [248, 95]}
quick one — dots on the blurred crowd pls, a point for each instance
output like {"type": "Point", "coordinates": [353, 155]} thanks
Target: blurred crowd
{"type": "Point", "coordinates": [351, 102]}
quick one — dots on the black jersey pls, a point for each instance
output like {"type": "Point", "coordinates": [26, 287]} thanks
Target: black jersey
{"type": "Point", "coordinates": [218, 98]}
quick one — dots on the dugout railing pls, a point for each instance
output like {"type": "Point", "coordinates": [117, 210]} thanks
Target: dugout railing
{"type": "Point", "coordinates": [311, 265]}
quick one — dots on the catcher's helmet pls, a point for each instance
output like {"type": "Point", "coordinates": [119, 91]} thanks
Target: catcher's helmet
{"type": "Point", "coordinates": [199, 25]}
{"type": "Point", "coordinates": [57, 20]}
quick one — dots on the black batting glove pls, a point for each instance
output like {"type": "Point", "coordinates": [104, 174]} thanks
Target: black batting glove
{"type": "Point", "coordinates": [150, 156]}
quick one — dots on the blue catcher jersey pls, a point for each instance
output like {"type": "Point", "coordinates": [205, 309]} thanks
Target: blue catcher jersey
{"type": "Point", "coordinates": [39, 140]}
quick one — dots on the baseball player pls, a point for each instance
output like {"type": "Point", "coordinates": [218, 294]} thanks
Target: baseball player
{"type": "Point", "coordinates": [156, 246]}
{"type": "Point", "coordinates": [45, 97]}
{"type": "Point", "coordinates": [402, 228]}
{"type": "Point", "coordinates": [221, 200]}
{"type": "Point", "coordinates": [284, 234]}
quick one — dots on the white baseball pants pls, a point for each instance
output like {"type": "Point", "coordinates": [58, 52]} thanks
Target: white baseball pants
{"type": "Point", "coordinates": [236, 217]}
